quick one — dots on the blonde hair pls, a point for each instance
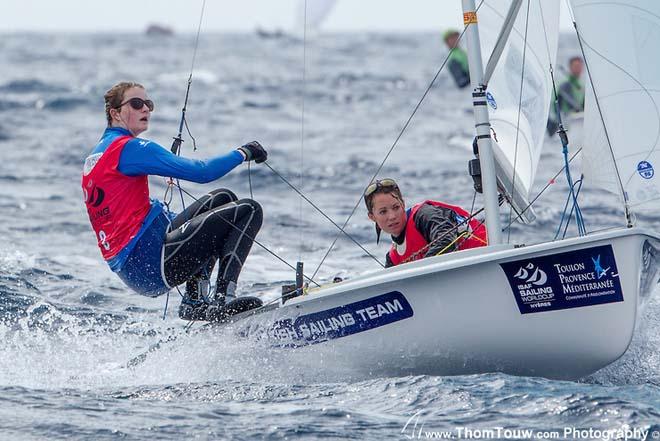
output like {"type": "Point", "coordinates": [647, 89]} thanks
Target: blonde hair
{"type": "Point", "coordinates": [115, 96]}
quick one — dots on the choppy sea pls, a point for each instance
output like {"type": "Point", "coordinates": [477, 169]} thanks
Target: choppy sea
{"type": "Point", "coordinates": [68, 326]}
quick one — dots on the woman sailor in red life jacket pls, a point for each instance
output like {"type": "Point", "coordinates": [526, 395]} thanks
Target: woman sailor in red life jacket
{"type": "Point", "coordinates": [426, 229]}
{"type": "Point", "coordinates": [151, 249]}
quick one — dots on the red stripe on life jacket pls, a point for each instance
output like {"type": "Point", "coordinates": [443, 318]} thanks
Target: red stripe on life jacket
{"type": "Point", "coordinates": [117, 204]}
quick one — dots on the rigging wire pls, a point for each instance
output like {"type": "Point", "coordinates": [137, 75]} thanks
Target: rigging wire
{"type": "Point", "coordinates": [564, 141]}
{"type": "Point", "coordinates": [628, 213]}
{"type": "Point", "coordinates": [341, 229]}
{"type": "Point", "coordinates": [389, 152]}
{"type": "Point", "coordinates": [272, 253]}
{"type": "Point", "coordinates": [522, 83]}
{"type": "Point", "coordinates": [548, 184]}
{"type": "Point", "coordinates": [176, 144]}
{"type": "Point", "coordinates": [302, 126]}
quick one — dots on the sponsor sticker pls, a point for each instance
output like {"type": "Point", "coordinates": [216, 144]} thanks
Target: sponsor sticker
{"type": "Point", "coordinates": [567, 280]}
{"type": "Point", "coordinates": [645, 169]}
{"type": "Point", "coordinates": [469, 17]}
{"type": "Point", "coordinates": [491, 100]}
{"type": "Point", "coordinates": [341, 321]}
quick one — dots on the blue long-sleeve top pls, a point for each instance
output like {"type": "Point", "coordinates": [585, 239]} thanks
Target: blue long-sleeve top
{"type": "Point", "coordinates": [143, 157]}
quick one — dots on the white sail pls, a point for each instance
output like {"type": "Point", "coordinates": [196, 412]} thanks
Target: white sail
{"type": "Point", "coordinates": [314, 12]}
{"type": "Point", "coordinates": [620, 42]}
{"type": "Point", "coordinates": [522, 147]}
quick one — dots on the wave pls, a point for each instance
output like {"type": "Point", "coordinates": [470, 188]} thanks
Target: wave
{"type": "Point", "coordinates": [31, 85]}
{"type": "Point", "coordinates": [65, 103]}
{"type": "Point", "coordinates": [256, 105]}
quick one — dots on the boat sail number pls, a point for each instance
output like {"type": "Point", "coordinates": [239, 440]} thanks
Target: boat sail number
{"type": "Point", "coordinates": [567, 280]}
{"type": "Point", "coordinates": [645, 170]}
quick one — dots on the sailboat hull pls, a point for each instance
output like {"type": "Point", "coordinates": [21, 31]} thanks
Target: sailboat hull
{"type": "Point", "coordinates": [475, 311]}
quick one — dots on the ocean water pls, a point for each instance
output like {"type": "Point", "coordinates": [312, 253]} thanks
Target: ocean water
{"type": "Point", "coordinates": [68, 327]}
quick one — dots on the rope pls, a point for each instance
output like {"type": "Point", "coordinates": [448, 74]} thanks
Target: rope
{"type": "Point", "coordinates": [570, 214]}
{"type": "Point", "coordinates": [471, 233]}
{"type": "Point", "coordinates": [250, 180]}
{"type": "Point", "coordinates": [550, 182]}
{"type": "Point", "coordinates": [176, 144]}
{"type": "Point", "coordinates": [564, 140]}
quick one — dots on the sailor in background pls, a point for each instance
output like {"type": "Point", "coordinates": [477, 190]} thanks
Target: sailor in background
{"type": "Point", "coordinates": [571, 90]}
{"type": "Point", "coordinates": [426, 229]}
{"type": "Point", "coordinates": [151, 249]}
{"type": "Point", "coordinates": [458, 61]}
{"type": "Point", "coordinates": [570, 95]}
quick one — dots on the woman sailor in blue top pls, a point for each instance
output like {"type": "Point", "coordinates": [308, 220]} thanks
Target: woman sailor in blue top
{"type": "Point", "coordinates": [151, 249]}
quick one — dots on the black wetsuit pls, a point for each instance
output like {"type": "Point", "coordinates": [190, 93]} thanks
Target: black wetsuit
{"type": "Point", "coordinates": [217, 227]}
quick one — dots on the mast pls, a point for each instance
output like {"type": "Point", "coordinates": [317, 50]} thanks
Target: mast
{"type": "Point", "coordinates": [482, 124]}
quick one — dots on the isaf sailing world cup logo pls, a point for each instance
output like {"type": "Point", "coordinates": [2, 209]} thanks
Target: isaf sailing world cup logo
{"type": "Point", "coordinates": [532, 274]}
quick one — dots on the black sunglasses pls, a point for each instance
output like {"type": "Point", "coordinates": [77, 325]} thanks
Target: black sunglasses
{"type": "Point", "coordinates": [138, 103]}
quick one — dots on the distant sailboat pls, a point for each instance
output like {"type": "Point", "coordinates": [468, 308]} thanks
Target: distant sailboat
{"type": "Point", "coordinates": [312, 13]}
{"type": "Point", "coordinates": [309, 17]}
{"type": "Point", "coordinates": [159, 30]}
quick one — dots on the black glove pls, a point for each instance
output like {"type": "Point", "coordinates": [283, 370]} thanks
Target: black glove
{"type": "Point", "coordinates": [253, 151]}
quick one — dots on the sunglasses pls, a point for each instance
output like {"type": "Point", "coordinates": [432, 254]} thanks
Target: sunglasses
{"type": "Point", "coordinates": [138, 103]}
{"type": "Point", "coordinates": [380, 183]}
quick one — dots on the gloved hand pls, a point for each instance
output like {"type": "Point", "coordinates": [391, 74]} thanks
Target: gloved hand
{"type": "Point", "coordinates": [253, 151]}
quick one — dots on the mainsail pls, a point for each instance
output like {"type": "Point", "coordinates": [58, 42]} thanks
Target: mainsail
{"type": "Point", "coordinates": [521, 147]}
{"type": "Point", "coordinates": [620, 48]}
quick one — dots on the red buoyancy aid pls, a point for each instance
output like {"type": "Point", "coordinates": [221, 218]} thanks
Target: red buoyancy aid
{"type": "Point", "coordinates": [117, 204]}
{"type": "Point", "coordinates": [414, 241]}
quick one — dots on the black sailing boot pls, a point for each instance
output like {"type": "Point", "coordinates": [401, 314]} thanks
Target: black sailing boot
{"type": "Point", "coordinates": [225, 304]}
{"type": "Point", "coordinates": [225, 292]}
{"type": "Point", "coordinates": [193, 304]}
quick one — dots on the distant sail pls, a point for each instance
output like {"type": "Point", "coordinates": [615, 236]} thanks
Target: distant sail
{"type": "Point", "coordinates": [621, 42]}
{"type": "Point", "coordinates": [317, 12]}
{"type": "Point", "coordinates": [504, 87]}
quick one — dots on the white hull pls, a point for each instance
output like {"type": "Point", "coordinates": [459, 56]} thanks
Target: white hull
{"type": "Point", "coordinates": [463, 316]}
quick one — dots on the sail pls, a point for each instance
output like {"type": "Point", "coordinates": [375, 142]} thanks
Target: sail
{"type": "Point", "coordinates": [620, 41]}
{"type": "Point", "coordinates": [314, 12]}
{"type": "Point", "coordinates": [521, 147]}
